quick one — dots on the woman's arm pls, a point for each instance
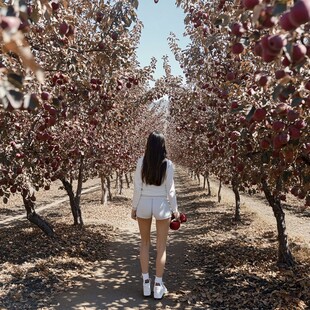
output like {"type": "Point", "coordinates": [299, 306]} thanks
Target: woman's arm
{"type": "Point", "coordinates": [137, 186]}
{"type": "Point", "coordinates": [171, 188]}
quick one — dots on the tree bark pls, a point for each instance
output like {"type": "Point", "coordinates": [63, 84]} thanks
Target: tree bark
{"type": "Point", "coordinates": [121, 183]}
{"type": "Point", "coordinates": [68, 187]}
{"type": "Point", "coordinates": [219, 197]}
{"type": "Point", "coordinates": [35, 218]}
{"type": "Point", "coordinates": [206, 178]}
{"type": "Point", "coordinates": [209, 188]}
{"type": "Point", "coordinates": [109, 188]}
{"type": "Point", "coordinates": [198, 177]}
{"type": "Point", "coordinates": [77, 198]}
{"type": "Point", "coordinates": [285, 257]}
{"type": "Point", "coordinates": [104, 189]}
{"type": "Point", "coordinates": [235, 189]}
{"type": "Point", "coordinates": [116, 180]}
{"type": "Point", "coordinates": [127, 180]}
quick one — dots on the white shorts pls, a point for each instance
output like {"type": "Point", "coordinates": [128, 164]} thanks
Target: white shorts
{"type": "Point", "coordinates": [156, 206]}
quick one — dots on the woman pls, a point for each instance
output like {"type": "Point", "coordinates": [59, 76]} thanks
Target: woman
{"type": "Point", "coordinates": [154, 195]}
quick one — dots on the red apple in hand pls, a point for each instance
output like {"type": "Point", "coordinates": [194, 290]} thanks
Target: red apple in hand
{"type": "Point", "coordinates": [183, 218]}
{"type": "Point", "coordinates": [175, 225]}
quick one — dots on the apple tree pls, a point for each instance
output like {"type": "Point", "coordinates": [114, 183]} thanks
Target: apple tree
{"type": "Point", "coordinates": [249, 63]}
{"type": "Point", "coordinates": [81, 102]}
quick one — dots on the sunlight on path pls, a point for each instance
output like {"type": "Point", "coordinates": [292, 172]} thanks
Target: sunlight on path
{"type": "Point", "coordinates": [297, 227]}
{"type": "Point", "coordinates": [116, 283]}
{"type": "Point", "coordinates": [22, 217]}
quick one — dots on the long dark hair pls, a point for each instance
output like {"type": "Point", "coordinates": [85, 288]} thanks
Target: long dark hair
{"type": "Point", "coordinates": [154, 162]}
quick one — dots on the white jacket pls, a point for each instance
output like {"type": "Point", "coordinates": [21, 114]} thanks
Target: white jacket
{"type": "Point", "coordinates": [166, 189]}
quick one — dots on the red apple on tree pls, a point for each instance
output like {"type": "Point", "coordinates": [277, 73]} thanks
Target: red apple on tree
{"type": "Point", "coordinates": [300, 13]}
{"type": "Point", "coordinates": [237, 29]}
{"type": "Point", "coordinates": [285, 22]}
{"type": "Point", "coordinates": [55, 5]}
{"type": "Point", "coordinates": [237, 48]}
{"type": "Point", "coordinates": [299, 52]}
{"type": "Point", "coordinates": [63, 28]}
{"type": "Point", "coordinates": [279, 74]}
{"type": "Point", "coordinates": [250, 4]}
{"type": "Point", "coordinates": [99, 17]}
{"type": "Point", "coordinates": [259, 114]}
{"type": "Point", "coordinates": [264, 144]}
{"type": "Point", "coordinates": [45, 96]}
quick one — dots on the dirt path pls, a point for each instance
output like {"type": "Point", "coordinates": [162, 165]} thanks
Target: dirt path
{"type": "Point", "coordinates": [297, 224]}
{"type": "Point", "coordinates": [116, 283]}
{"type": "Point", "coordinates": [210, 259]}
{"type": "Point", "coordinates": [43, 206]}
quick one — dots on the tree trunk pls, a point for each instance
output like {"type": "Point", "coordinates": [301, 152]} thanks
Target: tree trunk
{"type": "Point", "coordinates": [104, 189]}
{"type": "Point", "coordinates": [209, 188]}
{"type": "Point", "coordinates": [285, 257]}
{"type": "Point", "coordinates": [121, 183]}
{"type": "Point", "coordinates": [68, 187]}
{"type": "Point", "coordinates": [35, 218]}
{"type": "Point", "coordinates": [127, 180]}
{"type": "Point", "coordinates": [198, 178]}
{"type": "Point", "coordinates": [116, 180]}
{"type": "Point", "coordinates": [109, 188]}
{"type": "Point", "coordinates": [206, 178]}
{"type": "Point", "coordinates": [219, 197]}
{"type": "Point", "coordinates": [235, 189]}
{"type": "Point", "coordinates": [77, 198]}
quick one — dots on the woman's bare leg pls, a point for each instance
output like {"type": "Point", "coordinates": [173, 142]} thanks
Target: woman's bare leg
{"type": "Point", "coordinates": [145, 233]}
{"type": "Point", "coordinates": [162, 228]}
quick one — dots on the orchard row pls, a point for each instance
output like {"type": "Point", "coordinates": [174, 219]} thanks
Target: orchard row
{"type": "Point", "coordinates": [75, 100]}
{"type": "Point", "coordinates": [244, 114]}
{"type": "Point", "coordinates": [84, 102]}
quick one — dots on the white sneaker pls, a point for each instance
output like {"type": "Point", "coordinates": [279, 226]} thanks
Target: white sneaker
{"type": "Point", "coordinates": [147, 288]}
{"type": "Point", "coordinates": [159, 290]}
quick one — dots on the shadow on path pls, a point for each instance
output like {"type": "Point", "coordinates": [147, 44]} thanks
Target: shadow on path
{"type": "Point", "coordinates": [117, 283]}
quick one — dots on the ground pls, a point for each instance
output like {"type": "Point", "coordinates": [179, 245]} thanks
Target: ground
{"type": "Point", "coordinates": [212, 262]}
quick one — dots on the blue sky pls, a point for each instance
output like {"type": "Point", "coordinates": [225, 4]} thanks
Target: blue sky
{"type": "Point", "coordinates": [159, 19]}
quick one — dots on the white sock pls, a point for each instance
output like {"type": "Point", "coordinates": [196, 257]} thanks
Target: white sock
{"type": "Point", "coordinates": [158, 280]}
{"type": "Point", "coordinates": [145, 276]}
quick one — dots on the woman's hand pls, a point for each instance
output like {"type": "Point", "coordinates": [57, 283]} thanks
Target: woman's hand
{"type": "Point", "coordinates": [176, 215]}
{"type": "Point", "coordinates": [133, 214]}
